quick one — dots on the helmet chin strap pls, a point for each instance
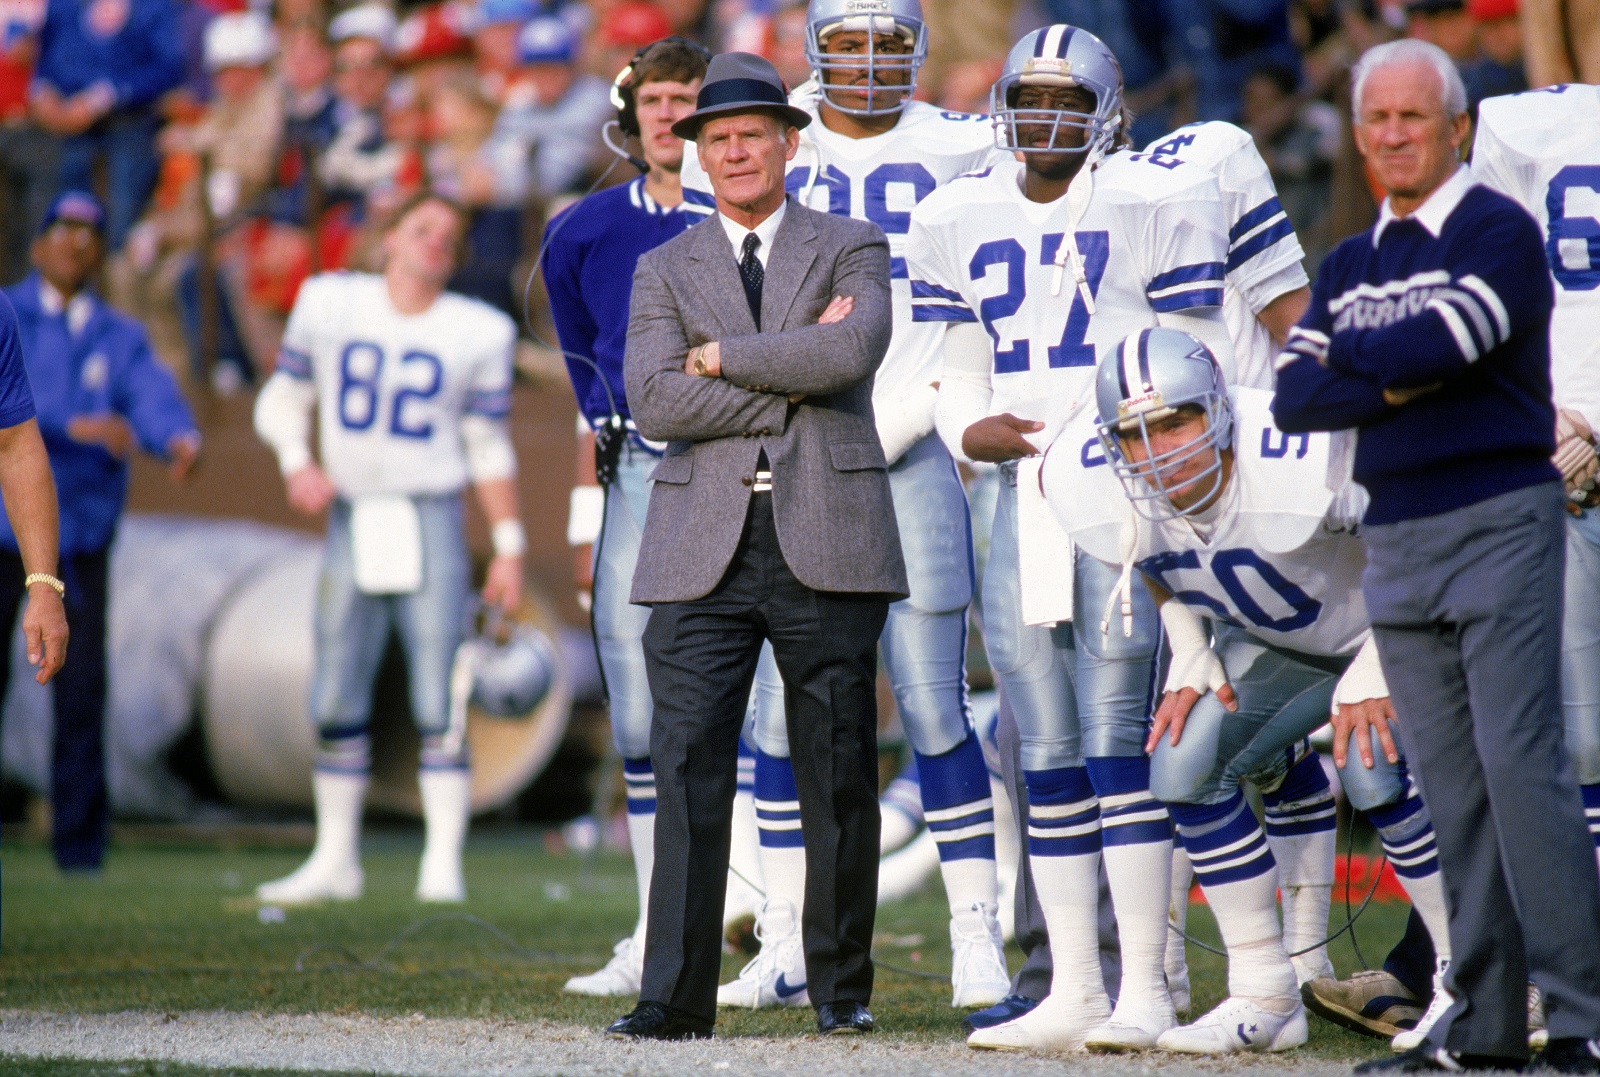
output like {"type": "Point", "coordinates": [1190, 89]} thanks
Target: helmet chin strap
{"type": "Point", "coordinates": [1079, 193]}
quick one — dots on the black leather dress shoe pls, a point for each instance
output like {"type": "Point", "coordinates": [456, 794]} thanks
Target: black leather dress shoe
{"type": "Point", "coordinates": [1430, 1059]}
{"type": "Point", "coordinates": [843, 1017]}
{"type": "Point", "coordinates": [656, 1021]}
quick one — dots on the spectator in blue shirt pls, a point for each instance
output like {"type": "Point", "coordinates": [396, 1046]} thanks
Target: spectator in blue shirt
{"type": "Point", "coordinates": [100, 393]}
{"type": "Point", "coordinates": [103, 64]}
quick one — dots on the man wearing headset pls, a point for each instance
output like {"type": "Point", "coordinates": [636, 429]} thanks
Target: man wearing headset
{"type": "Point", "coordinates": [588, 257]}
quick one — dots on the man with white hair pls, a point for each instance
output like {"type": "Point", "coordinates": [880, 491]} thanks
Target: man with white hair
{"type": "Point", "coordinates": [1430, 335]}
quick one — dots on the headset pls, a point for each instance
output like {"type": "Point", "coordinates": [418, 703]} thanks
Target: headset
{"type": "Point", "coordinates": [622, 90]}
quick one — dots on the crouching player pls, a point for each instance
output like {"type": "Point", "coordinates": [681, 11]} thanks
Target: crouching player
{"type": "Point", "coordinates": [1234, 523]}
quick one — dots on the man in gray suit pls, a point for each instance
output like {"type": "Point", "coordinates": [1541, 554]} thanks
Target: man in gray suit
{"type": "Point", "coordinates": [770, 519]}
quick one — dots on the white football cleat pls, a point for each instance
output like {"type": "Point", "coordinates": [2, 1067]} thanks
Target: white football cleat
{"type": "Point", "coordinates": [1413, 1036]}
{"type": "Point", "coordinates": [1538, 1034]}
{"type": "Point", "coordinates": [1134, 1026]}
{"type": "Point", "coordinates": [619, 978]}
{"type": "Point", "coordinates": [1239, 1024]}
{"type": "Point", "coordinates": [322, 878]}
{"type": "Point", "coordinates": [1055, 1025]}
{"type": "Point", "coordinates": [776, 976]}
{"type": "Point", "coordinates": [978, 958]}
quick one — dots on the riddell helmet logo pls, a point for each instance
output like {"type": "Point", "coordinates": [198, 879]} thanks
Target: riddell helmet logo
{"type": "Point", "coordinates": [1049, 65]}
{"type": "Point", "coordinates": [876, 6]}
{"type": "Point", "coordinates": [1138, 405]}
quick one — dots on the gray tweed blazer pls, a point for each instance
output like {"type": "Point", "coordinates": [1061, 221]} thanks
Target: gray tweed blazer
{"type": "Point", "coordinates": [830, 495]}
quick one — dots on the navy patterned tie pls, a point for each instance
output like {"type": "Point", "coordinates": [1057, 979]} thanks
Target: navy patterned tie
{"type": "Point", "coordinates": [752, 274]}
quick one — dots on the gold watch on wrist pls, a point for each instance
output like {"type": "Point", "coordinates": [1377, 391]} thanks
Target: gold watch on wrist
{"type": "Point", "coordinates": [45, 578]}
{"type": "Point", "coordinates": [700, 361]}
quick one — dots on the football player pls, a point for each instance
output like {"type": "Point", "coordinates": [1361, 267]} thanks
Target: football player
{"type": "Point", "coordinates": [873, 154]}
{"type": "Point", "coordinates": [1266, 293]}
{"type": "Point", "coordinates": [411, 385]}
{"type": "Point", "coordinates": [1031, 267]}
{"type": "Point", "coordinates": [1232, 522]}
{"type": "Point", "coordinates": [589, 253]}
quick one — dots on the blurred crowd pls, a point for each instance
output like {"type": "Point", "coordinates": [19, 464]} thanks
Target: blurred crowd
{"type": "Point", "coordinates": [241, 147]}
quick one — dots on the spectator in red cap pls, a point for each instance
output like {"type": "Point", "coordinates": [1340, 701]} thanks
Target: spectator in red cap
{"type": "Point", "coordinates": [623, 31]}
{"type": "Point", "coordinates": [1498, 69]}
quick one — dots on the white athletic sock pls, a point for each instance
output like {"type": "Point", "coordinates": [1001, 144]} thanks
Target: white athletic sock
{"type": "Point", "coordinates": [969, 882]}
{"type": "Point", "coordinates": [339, 799]}
{"type": "Point", "coordinates": [1236, 869]}
{"type": "Point", "coordinates": [1136, 834]}
{"type": "Point", "coordinates": [1069, 897]}
{"type": "Point", "coordinates": [1302, 829]}
{"type": "Point", "coordinates": [744, 850]}
{"type": "Point", "coordinates": [783, 850]}
{"type": "Point", "coordinates": [1406, 831]}
{"type": "Point", "coordinates": [446, 808]}
{"type": "Point", "coordinates": [640, 779]}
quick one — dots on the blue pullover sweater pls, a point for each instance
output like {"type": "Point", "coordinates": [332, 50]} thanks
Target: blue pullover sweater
{"type": "Point", "coordinates": [1456, 295]}
{"type": "Point", "coordinates": [590, 251]}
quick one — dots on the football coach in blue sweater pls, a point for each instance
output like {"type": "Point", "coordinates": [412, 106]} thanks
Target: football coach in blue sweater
{"type": "Point", "coordinates": [1429, 334]}
{"type": "Point", "coordinates": [100, 394]}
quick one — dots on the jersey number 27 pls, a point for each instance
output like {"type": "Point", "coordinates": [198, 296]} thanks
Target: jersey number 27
{"type": "Point", "coordinates": [1072, 350]}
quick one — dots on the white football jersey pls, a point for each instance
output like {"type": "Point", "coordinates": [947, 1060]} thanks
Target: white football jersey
{"type": "Point", "coordinates": [392, 388]}
{"type": "Point", "coordinates": [1277, 556]}
{"type": "Point", "coordinates": [880, 179]}
{"type": "Point", "coordinates": [1542, 148]}
{"type": "Point", "coordinates": [1265, 259]}
{"type": "Point", "coordinates": [1152, 240]}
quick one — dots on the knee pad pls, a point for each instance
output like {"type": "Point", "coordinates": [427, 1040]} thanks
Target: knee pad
{"type": "Point", "coordinates": [1368, 788]}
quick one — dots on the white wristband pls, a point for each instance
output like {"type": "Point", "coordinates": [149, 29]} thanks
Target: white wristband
{"type": "Point", "coordinates": [508, 538]}
{"type": "Point", "coordinates": [1194, 664]}
{"type": "Point", "coordinates": [1363, 679]}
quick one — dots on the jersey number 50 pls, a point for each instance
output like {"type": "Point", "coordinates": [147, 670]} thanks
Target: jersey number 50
{"type": "Point", "coordinates": [1226, 566]}
{"type": "Point", "coordinates": [360, 382]}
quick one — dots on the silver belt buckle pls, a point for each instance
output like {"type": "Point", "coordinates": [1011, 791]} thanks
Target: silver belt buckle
{"type": "Point", "coordinates": [763, 483]}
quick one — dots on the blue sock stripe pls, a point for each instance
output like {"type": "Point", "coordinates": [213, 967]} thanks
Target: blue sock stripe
{"type": "Point", "coordinates": [1591, 810]}
{"type": "Point", "coordinates": [1076, 845]}
{"type": "Point", "coordinates": [980, 847]}
{"type": "Point", "coordinates": [641, 806]}
{"type": "Point", "coordinates": [1151, 832]}
{"type": "Point", "coordinates": [1305, 781]}
{"type": "Point", "coordinates": [984, 815]}
{"type": "Point", "coordinates": [631, 767]}
{"type": "Point", "coordinates": [1324, 825]}
{"type": "Point", "coordinates": [1224, 841]}
{"type": "Point", "coordinates": [774, 778]}
{"type": "Point", "coordinates": [1391, 815]}
{"type": "Point", "coordinates": [781, 839]}
{"type": "Point", "coordinates": [1419, 860]}
{"type": "Point", "coordinates": [953, 778]}
{"type": "Point", "coordinates": [1064, 785]}
{"type": "Point", "coordinates": [325, 766]}
{"type": "Point", "coordinates": [1086, 816]}
{"type": "Point", "coordinates": [1119, 775]}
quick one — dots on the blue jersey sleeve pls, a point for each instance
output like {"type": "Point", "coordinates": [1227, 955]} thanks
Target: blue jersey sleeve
{"type": "Point", "coordinates": [16, 395]}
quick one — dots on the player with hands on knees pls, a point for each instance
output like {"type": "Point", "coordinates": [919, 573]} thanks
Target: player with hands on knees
{"type": "Point", "coordinates": [1245, 538]}
{"type": "Point", "coordinates": [411, 386]}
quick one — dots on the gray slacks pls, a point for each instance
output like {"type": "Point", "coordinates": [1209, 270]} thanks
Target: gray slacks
{"type": "Point", "coordinates": [1466, 607]}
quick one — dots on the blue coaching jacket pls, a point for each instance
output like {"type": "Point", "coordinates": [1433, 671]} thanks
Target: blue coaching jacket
{"type": "Point", "coordinates": [108, 367]}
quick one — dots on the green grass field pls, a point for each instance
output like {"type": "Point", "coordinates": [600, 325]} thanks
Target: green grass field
{"type": "Point", "coordinates": [168, 930]}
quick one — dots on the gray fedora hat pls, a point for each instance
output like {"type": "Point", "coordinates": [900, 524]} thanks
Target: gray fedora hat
{"type": "Point", "coordinates": [739, 82]}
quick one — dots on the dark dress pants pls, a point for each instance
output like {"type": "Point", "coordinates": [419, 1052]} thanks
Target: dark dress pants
{"type": "Point", "coordinates": [77, 760]}
{"type": "Point", "coordinates": [700, 657]}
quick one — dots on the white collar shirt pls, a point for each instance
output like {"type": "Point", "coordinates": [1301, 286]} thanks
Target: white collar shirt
{"type": "Point", "coordinates": [78, 309]}
{"type": "Point", "coordinates": [1435, 209]}
{"type": "Point", "coordinates": [764, 231]}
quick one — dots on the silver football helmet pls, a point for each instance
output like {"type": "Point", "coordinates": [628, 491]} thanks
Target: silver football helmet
{"type": "Point", "coordinates": [1150, 376]}
{"type": "Point", "coordinates": [513, 667]}
{"type": "Point", "coordinates": [903, 18]}
{"type": "Point", "coordinates": [1059, 55]}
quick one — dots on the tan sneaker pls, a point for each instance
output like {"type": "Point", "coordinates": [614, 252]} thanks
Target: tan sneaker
{"type": "Point", "coordinates": [1371, 1002]}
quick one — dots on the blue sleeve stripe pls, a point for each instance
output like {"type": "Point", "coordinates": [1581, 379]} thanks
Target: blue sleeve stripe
{"type": "Point", "coordinates": [921, 289]}
{"type": "Point", "coordinates": [699, 198]}
{"type": "Point", "coordinates": [293, 363]}
{"type": "Point", "coordinates": [897, 269]}
{"type": "Point", "coordinates": [1259, 242]}
{"type": "Point", "coordinates": [1264, 212]}
{"type": "Point", "coordinates": [490, 409]}
{"type": "Point", "coordinates": [1199, 271]}
{"type": "Point", "coordinates": [1194, 297]}
{"type": "Point", "coordinates": [939, 312]}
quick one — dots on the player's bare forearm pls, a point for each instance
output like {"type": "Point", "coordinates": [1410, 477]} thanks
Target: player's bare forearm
{"type": "Point", "coordinates": [30, 496]}
{"type": "Point", "coordinates": [498, 499]}
{"type": "Point", "coordinates": [29, 491]}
